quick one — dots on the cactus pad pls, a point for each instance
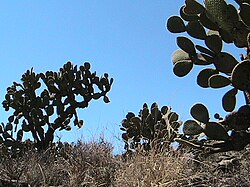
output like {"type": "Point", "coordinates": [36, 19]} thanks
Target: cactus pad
{"type": "Point", "coordinates": [216, 131]}
{"type": "Point", "coordinates": [191, 127]}
{"type": "Point", "coordinates": [204, 75]}
{"type": "Point", "coordinates": [176, 25]}
{"type": "Point", "coordinates": [218, 81]}
{"type": "Point", "coordinates": [229, 100]}
{"type": "Point", "coordinates": [183, 67]}
{"type": "Point", "coordinates": [241, 76]}
{"type": "Point", "coordinates": [200, 112]}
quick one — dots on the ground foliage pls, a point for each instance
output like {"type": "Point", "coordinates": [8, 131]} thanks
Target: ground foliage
{"type": "Point", "coordinates": [93, 164]}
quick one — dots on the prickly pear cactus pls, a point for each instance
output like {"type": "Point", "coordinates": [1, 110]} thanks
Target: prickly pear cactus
{"type": "Point", "coordinates": [216, 22]}
{"type": "Point", "coordinates": [42, 110]}
{"type": "Point", "coordinates": [231, 133]}
{"type": "Point", "coordinates": [202, 124]}
{"type": "Point", "coordinates": [218, 12]}
{"type": "Point", "coordinates": [152, 128]}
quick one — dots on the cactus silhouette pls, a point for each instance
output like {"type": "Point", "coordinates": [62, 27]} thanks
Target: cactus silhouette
{"type": "Point", "coordinates": [152, 128]}
{"type": "Point", "coordinates": [215, 22]}
{"type": "Point", "coordinates": [43, 109]}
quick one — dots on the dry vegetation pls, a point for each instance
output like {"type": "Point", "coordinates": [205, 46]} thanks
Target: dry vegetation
{"type": "Point", "coordinates": [93, 164]}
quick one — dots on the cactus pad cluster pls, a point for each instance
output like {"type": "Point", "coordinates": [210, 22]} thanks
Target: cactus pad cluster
{"type": "Point", "coordinates": [216, 22]}
{"type": "Point", "coordinates": [42, 109]}
{"type": "Point", "coordinates": [152, 128]}
{"type": "Point", "coordinates": [229, 134]}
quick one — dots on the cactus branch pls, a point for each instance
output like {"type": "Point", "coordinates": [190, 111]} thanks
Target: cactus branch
{"type": "Point", "coordinates": [236, 143]}
{"type": "Point", "coordinates": [190, 144]}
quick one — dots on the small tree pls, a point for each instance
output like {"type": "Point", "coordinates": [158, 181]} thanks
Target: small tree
{"type": "Point", "coordinates": [43, 112]}
{"type": "Point", "coordinates": [216, 22]}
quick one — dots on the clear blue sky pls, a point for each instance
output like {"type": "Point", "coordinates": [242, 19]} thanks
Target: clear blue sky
{"type": "Point", "coordinates": [126, 39]}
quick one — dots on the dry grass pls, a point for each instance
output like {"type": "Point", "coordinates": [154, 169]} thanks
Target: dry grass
{"type": "Point", "coordinates": [185, 170]}
{"type": "Point", "coordinates": [81, 164]}
{"type": "Point", "coordinates": [153, 169]}
{"type": "Point", "coordinates": [93, 164]}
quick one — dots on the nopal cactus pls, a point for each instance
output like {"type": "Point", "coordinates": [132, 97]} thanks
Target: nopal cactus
{"type": "Point", "coordinates": [215, 22]}
{"type": "Point", "coordinates": [42, 110]}
{"type": "Point", "coordinates": [224, 135]}
{"type": "Point", "coordinates": [152, 128]}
